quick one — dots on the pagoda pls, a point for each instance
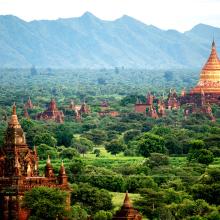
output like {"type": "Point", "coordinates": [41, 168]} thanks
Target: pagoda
{"type": "Point", "coordinates": [127, 212]}
{"type": "Point", "coordinates": [29, 104]}
{"type": "Point", "coordinates": [19, 172]}
{"type": "Point", "coordinates": [79, 110]}
{"type": "Point", "coordinates": [51, 114]}
{"type": "Point", "coordinates": [105, 110]}
{"type": "Point", "coordinates": [209, 82]}
{"type": "Point", "coordinates": [141, 107]}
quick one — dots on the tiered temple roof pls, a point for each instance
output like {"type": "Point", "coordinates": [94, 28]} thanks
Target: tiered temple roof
{"type": "Point", "coordinates": [19, 172]}
{"type": "Point", "coordinates": [209, 80]}
{"type": "Point", "coordinates": [127, 212]}
{"type": "Point", "coordinates": [52, 113]}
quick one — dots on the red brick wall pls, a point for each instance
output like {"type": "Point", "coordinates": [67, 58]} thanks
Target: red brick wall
{"type": "Point", "coordinates": [140, 108]}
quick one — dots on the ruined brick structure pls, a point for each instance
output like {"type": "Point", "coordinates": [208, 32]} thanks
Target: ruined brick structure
{"type": "Point", "coordinates": [19, 172]}
{"type": "Point", "coordinates": [106, 110]}
{"type": "Point", "coordinates": [79, 110]}
{"type": "Point", "coordinates": [52, 113]}
{"type": "Point", "coordinates": [127, 212]}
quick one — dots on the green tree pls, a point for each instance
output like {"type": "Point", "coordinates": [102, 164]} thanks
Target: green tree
{"type": "Point", "coordinates": [69, 153]}
{"type": "Point", "coordinates": [44, 150]}
{"type": "Point", "coordinates": [92, 198]}
{"type": "Point", "coordinates": [103, 215]}
{"type": "Point", "coordinates": [115, 147]}
{"type": "Point", "coordinates": [78, 213]}
{"type": "Point", "coordinates": [45, 203]}
{"type": "Point", "coordinates": [45, 138]}
{"type": "Point", "coordinates": [157, 159]}
{"type": "Point", "coordinates": [151, 143]}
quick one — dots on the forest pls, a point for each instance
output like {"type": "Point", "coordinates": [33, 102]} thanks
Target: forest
{"type": "Point", "coordinates": [170, 166]}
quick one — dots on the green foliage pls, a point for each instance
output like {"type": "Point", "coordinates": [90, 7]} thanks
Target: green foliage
{"type": "Point", "coordinates": [115, 147]}
{"type": "Point", "coordinates": [78, 213]}
{"type": "Point", "coordinates": [44, 150]}
{"type": "Point", "coordinates": [103, 215]}
{"type": "Point", "coordinates": [97, 136]}
{"type": "Point", "coordinates": [208, 187]}
{"type": "Point", "coordinates": [82, 145]}
{"type": "Point", "coordinates": [45, 138]}
{"type": "Point", "coordinates": [157, 159]}
{"type": "Point", "coordinates": [151, 143]}
{"type": "Point", "coordinates": [202, 156]}
{"type": "Point", "coordinates": [97, 152]}
{"type": "Point", "coordinates": [91, 198]}
{"type": "Point", "coordinates": [45, 203]}
{"type": "Point", "coordinates": [69, 153]}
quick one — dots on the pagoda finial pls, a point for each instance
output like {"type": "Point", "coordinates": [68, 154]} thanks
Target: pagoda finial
{"type": "Point", "coordinates": [213, 41]}
{"type": "Point", "coordinates": [127, 202]}
{"type": "Point", "coordinates": [14, 109]}
{"type": "Point", "coordinates": [48, 160]}
{"type": "Point", "coordinates": [14, 123]}
{"type": "Point", "coordinates": [62, 169]}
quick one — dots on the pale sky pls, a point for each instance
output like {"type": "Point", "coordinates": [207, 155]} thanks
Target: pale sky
{"type": "Point", "coordinates": [166, 14]}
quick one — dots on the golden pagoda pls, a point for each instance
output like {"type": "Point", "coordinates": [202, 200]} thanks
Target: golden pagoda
{"type": "Point", "coordinates": [209, 82]}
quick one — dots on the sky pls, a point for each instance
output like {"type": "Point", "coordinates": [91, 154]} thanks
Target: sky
{"type": "Point", "coordinates": [181, 15]}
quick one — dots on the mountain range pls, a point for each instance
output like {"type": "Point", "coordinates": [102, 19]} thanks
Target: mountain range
{"type": "Point", "coordinates": [89, 42]}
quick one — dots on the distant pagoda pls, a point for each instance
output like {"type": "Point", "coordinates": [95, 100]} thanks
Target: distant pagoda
{"type": "Point", "coordinates": [127, 212]}
{"type": "Point", "coordinates": [29, 104]}
{"type": "Point", "coordinates": [52, 113]}
{"type": "Point", "coordinates": [19, 172]}
{"type": "Point", "coordinates": [209, 82]}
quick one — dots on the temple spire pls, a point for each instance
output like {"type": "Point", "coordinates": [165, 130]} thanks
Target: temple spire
{"type": "Point", "coordinates": [48, 159]}
{"type": "Point", "coordinates": [213, 42]}
{"type": "Point", "coordinates": [63, 179]}
{"type": "Point", "coordinates": [127, 203]}
{"type": "Point", "coordinates": [14, 123]}
{"type": "Point", "coordinates": [14, 109]}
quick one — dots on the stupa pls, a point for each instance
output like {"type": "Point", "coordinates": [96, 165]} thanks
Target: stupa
{"type": "Point", "coordinates": [127, 212]}
{"type": "Point", "coordinates": [209, 82]}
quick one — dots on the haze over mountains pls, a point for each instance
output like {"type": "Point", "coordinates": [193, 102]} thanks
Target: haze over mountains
{"type": "Point", "coordinates": [88, 42]}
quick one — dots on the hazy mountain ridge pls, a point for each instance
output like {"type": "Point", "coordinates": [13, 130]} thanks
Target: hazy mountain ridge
{"type": "Point", "coordinates": [88, 41]}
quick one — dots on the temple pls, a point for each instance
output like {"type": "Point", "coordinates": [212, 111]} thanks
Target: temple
{"type": "Point", "coordinates": [29, 104]}
{"type": "Point", "coordinates": [152, 107]}
{"type": "Point", "coordinates": [51, 114]}
{"type": "Point", "coordinates": [19, 172]}
{"type": "Point", "coordinates": [79, 110]}
{"type": "Point", "coordinates": [127, 212]}
{"type": "Point", "coordinates": [198, 100]}
{"type": "Point", "coordinates": [209, 80]}
{"type": "Point", "coordinates": [105, 110]}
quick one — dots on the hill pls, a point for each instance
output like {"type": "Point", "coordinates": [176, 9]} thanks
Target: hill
{"type": "Point", "coordinates": [89, 42]}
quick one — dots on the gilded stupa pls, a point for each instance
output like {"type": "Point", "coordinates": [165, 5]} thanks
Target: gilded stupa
{"type": "Point", "coordinates": [209, 82]}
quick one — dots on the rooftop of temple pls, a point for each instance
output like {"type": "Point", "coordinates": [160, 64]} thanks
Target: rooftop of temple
{"type": "Point", "coordinates": [209, 80]}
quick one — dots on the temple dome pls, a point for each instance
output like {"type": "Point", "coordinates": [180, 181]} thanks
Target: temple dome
{"type": "Point", "coordinates": [210, 75]}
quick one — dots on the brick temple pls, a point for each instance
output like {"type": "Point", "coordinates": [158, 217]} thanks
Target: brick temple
{"type": "Point", "coordinates": [127, 211]}
{"type": "Point", "coordinates": [51, 113]}
{"type": "Point", "coordinates": [79, 110]}
{"type": "Point", "coordinates": [198, 100]}
{"type": "Point", "coordinates": [19, 172]}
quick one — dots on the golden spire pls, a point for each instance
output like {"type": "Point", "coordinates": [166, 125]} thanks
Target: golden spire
{"type": "Point", "coordinates": [62, 169]}
{"type": "Point", "coordinates": [48, 159]}
{"type": "Point", "coordinates": [14, 109]}
{"type": "Point", "coordinates": [14, 123]}
{"type": "Point", "coordinates": [210, 74]}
